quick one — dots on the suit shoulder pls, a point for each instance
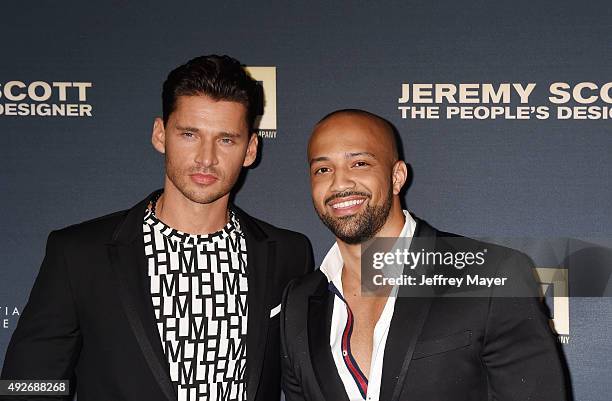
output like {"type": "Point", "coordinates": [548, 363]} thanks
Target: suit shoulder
{"type": "Point", "coordinates": [276, 233]}
{"type": "Point", "coordinates": [498, 261]}
{"type": "Point", "coordinates": [279, 232]}
{"type": "Point", "coordinates": [494, 251]}
{"type": "Point", "coordinates": [96, 229]}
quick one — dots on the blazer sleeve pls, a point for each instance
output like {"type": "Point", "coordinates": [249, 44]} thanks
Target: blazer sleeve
{"type": "Point", "coordinates": [47, 340]}
{"type": "Point", "coordinates": [520, 351]}
{"type": "Point", "coordinates": [291, 385]}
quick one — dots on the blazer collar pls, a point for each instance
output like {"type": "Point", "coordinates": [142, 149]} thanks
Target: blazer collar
{"type": "Point", "coordinates": [130, 229]}
{"type": "Point", "coordinates": [409, 316]}
{"type": "Point", "coordinates": [320, 309]}
{"type": "Point", "coordinates": [261, 265]}
{"type": "Point", "coordinates": [126, 253]}
{"type": "Point", "coordinates": [250, 225]}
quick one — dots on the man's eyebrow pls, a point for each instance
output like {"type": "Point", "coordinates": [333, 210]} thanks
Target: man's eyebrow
{"type": "Point", "coordinates": [230, 134]}
{"type": "Point", "coordinates": [355, 154]}
{"type": "Point", "coordinates": [190, 129]}
{"type": "Point", "coordinates": [346, 156]}
{"type": "Point", "coordinates": [319, 159]}
{"type": "Point", "coordinates": [222, 133]}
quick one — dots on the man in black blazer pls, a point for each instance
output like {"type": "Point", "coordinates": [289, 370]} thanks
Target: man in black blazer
{"type": "Point", "coordinates": [177, 298]}
{"type": "Point", "coordinates": [437, 345]}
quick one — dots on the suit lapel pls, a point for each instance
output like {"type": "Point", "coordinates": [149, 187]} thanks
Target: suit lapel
{"type": "Point", "coordinates": [408, 318]}
{"type": "Point", "coordinates": [261, 253]}
{"type": "Point", "coordinates": [320, 309]}
{"type": "Point", "coordinates": [409, 315]}
{"type": "Point", "coordinates": [126, 252]}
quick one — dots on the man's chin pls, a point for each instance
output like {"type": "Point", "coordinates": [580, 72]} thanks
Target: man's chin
{"type": "Point", "coordinates": [349, 235]}
{"type": "Point", "coordinates": [345, 219]}
{"type": "Point", "coordinates": [352, 238]}
{"type": "Point", "coordinates": [204, 197]}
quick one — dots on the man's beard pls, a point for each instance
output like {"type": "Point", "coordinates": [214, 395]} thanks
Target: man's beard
{"type": "Point", "coordinates": [181, 181]}
{"type": "Point", "coordinates": [361, 227]}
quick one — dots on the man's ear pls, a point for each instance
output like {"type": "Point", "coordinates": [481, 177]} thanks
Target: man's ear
{"type": "Point", "coordinates": [400, 175]}
{"type": "Point", "coordinates": [158, 137]}
{"type": "Point", "coordinates": [251, 153]}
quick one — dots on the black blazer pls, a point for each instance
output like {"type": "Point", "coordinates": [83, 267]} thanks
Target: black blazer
{"type": "Point", "coordinates": [438, 348]}
{"type": "Point", "coordinates": [90, 316]}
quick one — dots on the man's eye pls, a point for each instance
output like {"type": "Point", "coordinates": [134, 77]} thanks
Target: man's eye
{"type": "Point", "coordinates": [227, 141]}
{"type": "Point", "coordinates": [188, 134]}
{"type": "Point", "coordinates": [321, 170]}
{"type": "Point", "coordinates": [361, 164]}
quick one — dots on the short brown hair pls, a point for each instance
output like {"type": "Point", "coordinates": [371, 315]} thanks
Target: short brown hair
{"type": "Point", "coordinates": [218, 77]}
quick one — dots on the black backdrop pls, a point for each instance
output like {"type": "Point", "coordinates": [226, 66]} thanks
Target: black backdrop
{"type": "Point", "coordinates": [503, 177]}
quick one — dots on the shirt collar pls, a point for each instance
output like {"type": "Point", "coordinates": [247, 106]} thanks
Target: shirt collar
{"type": "Point", "coordinates": [332, 263]}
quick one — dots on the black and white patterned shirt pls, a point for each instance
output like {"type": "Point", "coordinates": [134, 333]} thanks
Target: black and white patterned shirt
{"type": "Point", "coordinates": [199, 292]}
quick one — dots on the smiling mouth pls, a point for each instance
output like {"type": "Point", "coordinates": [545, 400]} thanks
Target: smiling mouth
{"type": "Point", "coordinates": [347, 204]}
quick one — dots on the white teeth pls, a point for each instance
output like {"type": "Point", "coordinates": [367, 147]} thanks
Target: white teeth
{"type": "Point", "coordinates": [350, 203]}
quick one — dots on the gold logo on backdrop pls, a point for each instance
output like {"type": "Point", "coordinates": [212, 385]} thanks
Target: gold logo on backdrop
{"type": "Point", "coordinates": [266, 122]}
{"type": "Point", "coordinates": [554, 282]}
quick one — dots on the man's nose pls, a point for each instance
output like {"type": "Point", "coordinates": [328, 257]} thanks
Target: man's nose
{"type": "Point", "coordinates": [207, 154]}
{"type": "Point", "coordinates": [343, 181]}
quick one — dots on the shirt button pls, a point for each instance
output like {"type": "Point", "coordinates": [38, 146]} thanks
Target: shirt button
{"type": "Point", "coordinates": [344, 353]}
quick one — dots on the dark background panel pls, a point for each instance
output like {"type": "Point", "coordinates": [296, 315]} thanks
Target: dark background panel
{"type": "Point", "coordinates": [548, 178]}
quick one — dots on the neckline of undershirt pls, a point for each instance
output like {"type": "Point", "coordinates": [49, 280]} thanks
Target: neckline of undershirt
{"type": "Point", "coordinates": [232, 227]}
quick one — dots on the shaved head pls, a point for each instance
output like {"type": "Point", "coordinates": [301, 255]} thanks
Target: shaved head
{"type": "Point", "coordinates": [356, 175]}
{"type": "Point", "coordinates": [384, 129]}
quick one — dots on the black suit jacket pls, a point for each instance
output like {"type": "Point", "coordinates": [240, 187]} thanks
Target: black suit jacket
{"type": "Point", "coordinates": [90, 314]}
{"type": "Point", "coordinates": [438, 348]}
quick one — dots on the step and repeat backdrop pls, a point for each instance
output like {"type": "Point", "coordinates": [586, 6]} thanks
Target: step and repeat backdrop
{"type": "Point", "coordinates": [504, 110]}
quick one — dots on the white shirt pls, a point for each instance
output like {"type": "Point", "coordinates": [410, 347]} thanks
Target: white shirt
{"type": "Point", "coordinates": [332, 268]}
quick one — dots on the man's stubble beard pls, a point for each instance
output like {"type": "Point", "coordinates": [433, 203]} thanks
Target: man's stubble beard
{"type": "Point", "coordinates": [359, 228]}
{"type": "Point", "coordinates": [181, 181]}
